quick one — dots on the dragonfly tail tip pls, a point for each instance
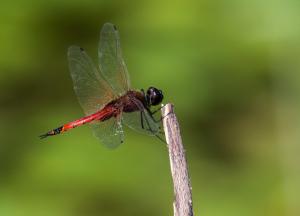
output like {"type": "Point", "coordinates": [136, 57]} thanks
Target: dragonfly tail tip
{"type": "Point", "coordinates": [43, 136]}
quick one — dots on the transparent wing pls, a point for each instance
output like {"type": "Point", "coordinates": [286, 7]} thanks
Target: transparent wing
{"type": "Point", "coordinates": [109, 132]}
{"type": "Point", "coordinates": [141, 121]}
{"type": "Point", "coordinates": [111, 63]}
{"type": "Point", "coordinates": [91, 89]}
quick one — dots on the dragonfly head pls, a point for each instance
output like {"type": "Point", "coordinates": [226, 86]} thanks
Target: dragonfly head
{"type": "Point", "coordinates": [154, 96]}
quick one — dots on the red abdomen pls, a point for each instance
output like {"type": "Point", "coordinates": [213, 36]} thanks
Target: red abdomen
{"type": "Point", "coordinates": [104, 114]}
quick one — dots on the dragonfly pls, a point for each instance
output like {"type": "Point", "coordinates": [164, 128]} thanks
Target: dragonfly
{"type": "Point", "coordinates": [105, 94]}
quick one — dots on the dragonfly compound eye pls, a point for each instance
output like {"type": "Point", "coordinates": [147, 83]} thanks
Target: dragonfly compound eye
{"type": "Point", "coordinates": [154, 96]}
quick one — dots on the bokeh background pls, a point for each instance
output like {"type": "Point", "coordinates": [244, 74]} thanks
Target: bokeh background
{"type": "Point", "coordinates": [230, 67]}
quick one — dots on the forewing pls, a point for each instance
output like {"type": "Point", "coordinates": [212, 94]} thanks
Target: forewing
{"type": "Point", "coordinates": [111, 63]}
{"type": "Point", "coordinates": [141, 120]}
{"type": "Point", "coordinates": [91, 89]}
{"type": "Point", "coordinates": [109, 132]}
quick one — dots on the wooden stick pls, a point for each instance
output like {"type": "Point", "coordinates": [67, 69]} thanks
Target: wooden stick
{"type": "Point", "coordinates": [182, 205]}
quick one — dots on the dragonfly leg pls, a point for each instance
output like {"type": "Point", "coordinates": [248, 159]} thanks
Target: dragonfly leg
{"type": "Point", "coordinates": [155, 111]}
{"type": "Point", "coordinates": [143, 127]}
{"type": "Point", "coordinates": [160, 119]}
{"type": "Point", "coordinates": [157, 121]}
{"type": "Point", "coordinates": [152, 117]}
{"type": "Point", "coordinates": [142, 121]}
{"type": "Point", "coordinates": [150, 129]}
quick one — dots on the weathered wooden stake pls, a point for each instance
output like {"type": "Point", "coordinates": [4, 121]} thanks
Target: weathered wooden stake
{"type": "Point", "coordinates": [182, 205]}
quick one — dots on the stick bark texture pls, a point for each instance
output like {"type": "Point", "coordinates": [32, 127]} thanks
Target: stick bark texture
{"type": "Point", "coordinates": [182, 204]}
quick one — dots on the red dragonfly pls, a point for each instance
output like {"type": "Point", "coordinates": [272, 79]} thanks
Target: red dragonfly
{"type": "Point", "coordinates": [105, 94]}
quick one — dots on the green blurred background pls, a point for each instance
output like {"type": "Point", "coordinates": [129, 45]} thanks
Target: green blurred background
{"type": "Point", "coordinates": [230, 67]}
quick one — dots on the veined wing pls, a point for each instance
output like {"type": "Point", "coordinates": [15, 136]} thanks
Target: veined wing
{"type": "Point", "coordinates": [111, 63]}
{"type": "Point", "coordinates": [109, 132]}
{"type": "Point", "coordinates": [91, 89]}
